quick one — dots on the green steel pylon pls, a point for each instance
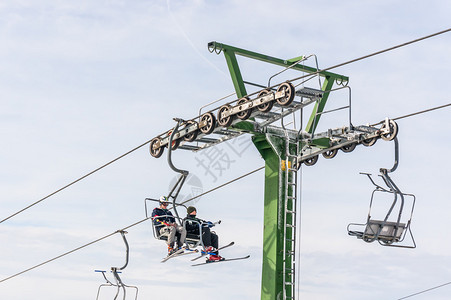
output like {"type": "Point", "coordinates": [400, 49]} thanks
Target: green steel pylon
{"type": "Point", "coordinates": [279, 153]}
{"type": "Point", "coordinates": [278, 269]}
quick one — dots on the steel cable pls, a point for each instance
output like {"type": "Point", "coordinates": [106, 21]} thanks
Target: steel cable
{"type": "Point", "coordinates": [424, 291]}
{"type": "Point", "coordinates": [376, 53]}
{"type": "Point", "coordinates": [319, 71]}
{"type": "Point", "coordinates": [343, 64]}
{"type": "Point", "coordinates": [75, 181]}
{"type": "Point", "coordinates": [416, 113]}
{"type": "Point", "coordinates": [72, 251]}
{"type": "Point", "coordinates": [195, 197]}
{"type": "Point", "coordinates": [127, 227]}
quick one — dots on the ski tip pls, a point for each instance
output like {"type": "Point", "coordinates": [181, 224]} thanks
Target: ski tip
{"type": "Point", "coordinates": [228, 245]}
{"type": "Point", "coordinates": [178, 252]}
{"type": "Point", "coordinates": [222, 260]}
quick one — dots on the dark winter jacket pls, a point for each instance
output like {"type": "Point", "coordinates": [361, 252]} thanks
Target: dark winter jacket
{"type": "Point", "coordinates": [192, 224]}
{"type": "Point", "coordinates": [162, 217]}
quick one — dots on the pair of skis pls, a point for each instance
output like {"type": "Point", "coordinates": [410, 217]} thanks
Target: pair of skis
{"type": "Point", "coordinates": [181, 252]}
{"type": "Point", "coordinates": [223, 260]}
{"type": "Point", "coordinates": [218, 261]}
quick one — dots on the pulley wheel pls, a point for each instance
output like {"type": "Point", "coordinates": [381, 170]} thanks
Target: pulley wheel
{"type": "Point", "coordinates": [311, 161]}
{"type": "Point", "coordinates": [330, 153]}
{"type": "Point", "coordinates": [175, 142]}
{"type": "Point", "coordinates": [189, 137]}
{"type": "Point", "coordinates": [369, 142]}
{"type": "Point", "coordinates": [367, 239]}
{"type": "Point", "coordinates": [265, 107]}
{"type": "Point", "coordinates": [288, 88]}
{"type": "Point", "coordinates": [154, 150]}
{"type": "Point", "coordinates": [244, 114]}
{"type": "Point", "coordinates": [227, 121]}
{"type": "Point", "coordinates": [209, 120]}
{"type": "Point", "coordinates": [393, 131]}
{"type": "Point", "coordinates": [386, 242]}
{"type": "Point", "coordinates": [349, 148]}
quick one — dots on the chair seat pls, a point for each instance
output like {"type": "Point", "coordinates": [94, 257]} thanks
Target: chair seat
{"type": "Point", "coordinates": [192, 236]}
{"type": "Point", "coordinates": [389, 231]}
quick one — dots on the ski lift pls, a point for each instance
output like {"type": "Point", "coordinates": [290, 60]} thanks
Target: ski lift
{"type": "Point", "coordinates": [116, 271]}
{"type": "Point", "coordinates": [175, 189]}
{"type": "Point", "coordinates": [192, 240]}
{"type": "Point", "coordinates": [394, 225]}
{"type": "Point", "coordinates": [155, 229]}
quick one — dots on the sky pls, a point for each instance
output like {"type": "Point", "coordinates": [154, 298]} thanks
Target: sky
{"type": "Point", "coordinates": [84, 82]}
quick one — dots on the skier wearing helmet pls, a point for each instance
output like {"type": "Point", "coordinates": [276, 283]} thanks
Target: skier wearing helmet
{"type": "Point", "coordinates": [165, 225]}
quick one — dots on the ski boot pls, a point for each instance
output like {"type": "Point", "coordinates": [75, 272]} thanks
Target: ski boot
{"type": "Point", "coordinates": [215, 257]}
{"type": "Point", "coordinates": [171, 250]}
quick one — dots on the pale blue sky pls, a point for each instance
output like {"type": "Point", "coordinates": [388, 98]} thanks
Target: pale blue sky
{"type": "Point", "coordinates": [83, 82]}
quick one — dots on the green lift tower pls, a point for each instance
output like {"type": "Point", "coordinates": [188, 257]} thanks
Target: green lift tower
{"type": "Point", "coordinates": [284, 149]}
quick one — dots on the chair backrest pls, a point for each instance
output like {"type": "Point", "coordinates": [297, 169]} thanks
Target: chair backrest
{"type": "Point", "coordinates": [156, 229]}
{"type": "Point", "coordinates": [193, 238]}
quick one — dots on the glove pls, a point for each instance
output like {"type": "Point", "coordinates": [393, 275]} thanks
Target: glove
{"type": "Point", "coordinates": [208, 224]}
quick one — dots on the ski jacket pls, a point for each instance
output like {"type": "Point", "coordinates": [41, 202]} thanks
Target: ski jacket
{"type": "Point", "coordinates": [162, 217]}
{"type": "Point", "coordinates": [193, 226]}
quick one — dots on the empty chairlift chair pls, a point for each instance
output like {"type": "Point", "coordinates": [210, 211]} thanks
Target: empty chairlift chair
{"type": "Point", "coordinates": [119, 284]}
{"type": "Point", "coordinates": [387, 221]}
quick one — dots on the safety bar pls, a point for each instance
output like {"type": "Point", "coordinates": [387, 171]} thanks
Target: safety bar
{"type": "Point", "coordinates": [200, 242]}
{"type": "Point", "coordinates": [156, 233]}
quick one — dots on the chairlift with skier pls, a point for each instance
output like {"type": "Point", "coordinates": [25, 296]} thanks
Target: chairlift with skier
{"type": "Point", "coordinates": [192, 240]}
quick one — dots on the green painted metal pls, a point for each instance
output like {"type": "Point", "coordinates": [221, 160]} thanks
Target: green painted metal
{"type": "Point", "coordinates": [235, 73]}
{"type": "Point", "coordinates": [227, 49]}
{"type": "Point", "coordinates": [319, 106]}
{"type": "Point", "coordinates": [296, 59]}
{"type": "Point", "coordinates": [321, 142]}
{"type": "Point", "coordinates": [244, 125]}
{"type": "Point", "coordinates": [273, 265]}
{"type": "Point", "coordinates": [231, 52]}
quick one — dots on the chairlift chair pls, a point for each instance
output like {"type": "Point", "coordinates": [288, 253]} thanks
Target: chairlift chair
{"type": "Point", "coordinates": [392, 229]}
{"type": "Point", "coordinates": [175, 189]}
{"type": "Point", "coordinates": [194, 240]}
{"type": "Point", "coordinates": [116, 270]}
{"type": "Point", "coordinates": [156, 230]}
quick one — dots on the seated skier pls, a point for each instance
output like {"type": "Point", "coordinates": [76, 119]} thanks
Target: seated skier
{"type": "Point", "coordinates": [209, 238]}
{"type": "Point", "coordinates": [165, 225]}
